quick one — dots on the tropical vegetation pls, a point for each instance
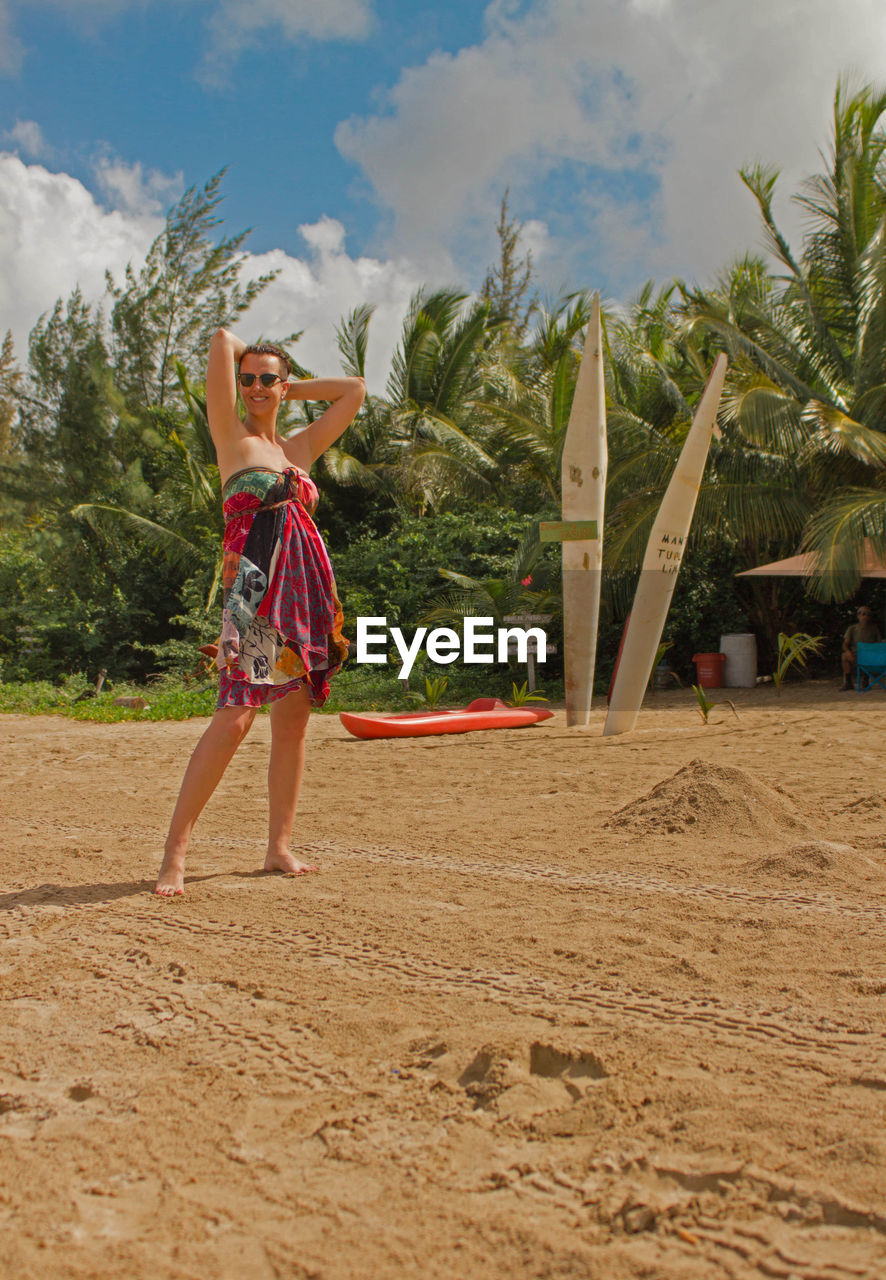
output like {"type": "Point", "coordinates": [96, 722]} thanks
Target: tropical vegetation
{"type": "Point", "coordinates": [109, 497]}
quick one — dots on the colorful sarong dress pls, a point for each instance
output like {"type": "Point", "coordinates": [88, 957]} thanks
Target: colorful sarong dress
{"type": "Point", "coordinates": [281, 620]}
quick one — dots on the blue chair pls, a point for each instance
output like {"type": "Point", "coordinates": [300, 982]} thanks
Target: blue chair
{"type": "Point", "coordinates": [870, 661]}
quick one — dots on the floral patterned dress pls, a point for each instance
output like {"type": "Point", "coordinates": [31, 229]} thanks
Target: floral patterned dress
{"type": "Point", "coordinates": [282, 619]}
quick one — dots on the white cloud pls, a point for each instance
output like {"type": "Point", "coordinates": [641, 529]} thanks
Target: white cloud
{"type": "Point", "coordinates": [235, 26]}
{"type": "Point", "coordinates": [648, 106]}
{"type": "Point", "coordinates": [326, 236]}
{"type": "Point", "coordinates": [27, 138]}
{"type": "Point", "coordinates": [55, 235]}
{"type": "Point", "coordinates": [314, 293]}
{"type": "Point", "coordinates": [535, 239]}
{"type": "Point", "coordinates": [128, 188]}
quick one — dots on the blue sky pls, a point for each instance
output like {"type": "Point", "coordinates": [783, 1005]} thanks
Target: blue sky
{"type": "Point", "coordinates": [135, 83]}
{"type": "Point", "coordinates": [368, 142]}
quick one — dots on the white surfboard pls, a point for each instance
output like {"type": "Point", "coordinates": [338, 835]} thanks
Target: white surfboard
{"type": "Point", "coordinates": [583, 476]}
{"type": "Point", "coordinates": [661, 563]}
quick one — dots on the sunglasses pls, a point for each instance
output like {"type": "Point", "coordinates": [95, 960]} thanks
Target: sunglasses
{"type": "Point", "coordinates": [266, 379]}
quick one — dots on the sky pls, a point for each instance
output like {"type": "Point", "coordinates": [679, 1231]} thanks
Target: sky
{"type": "Point", "coordinates": [368, 143]}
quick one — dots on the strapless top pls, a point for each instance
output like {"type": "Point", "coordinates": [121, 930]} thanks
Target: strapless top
{"type": "Point", "coordinates": [258, 482]}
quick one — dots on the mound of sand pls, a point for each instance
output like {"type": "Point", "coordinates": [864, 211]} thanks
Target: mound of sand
{"type": "Point", "coordinates": [710, 799]}
{"type": "Point", "coordinates": [808, 859]}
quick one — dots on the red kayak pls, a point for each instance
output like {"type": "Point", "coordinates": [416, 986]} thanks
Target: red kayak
{"type": "Point", "coordinates": [482, 713]}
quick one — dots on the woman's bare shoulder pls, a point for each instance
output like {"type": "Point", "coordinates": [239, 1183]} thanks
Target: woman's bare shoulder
{"type": "Point", "coordinates": [296, 447]}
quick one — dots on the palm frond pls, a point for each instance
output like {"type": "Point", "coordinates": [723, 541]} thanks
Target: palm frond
{"type": "Point", "coordinates": [352, 338]}
{"type": "Point", "coordinates": [836, 433]}
{"type": "Point", "coordinates": [764, 413]}
{"type": "Point", "coordinates": [840, 534]}
{"type": "Point", "coordinates": [110, 521]}
{"type": "Point", "coordinates": [345, 469]}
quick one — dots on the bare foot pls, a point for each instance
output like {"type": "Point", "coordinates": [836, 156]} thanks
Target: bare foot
{"type": "Point", "coordinates": [171, 878]}
{"type": "Point", "coordinates": [287, 863]}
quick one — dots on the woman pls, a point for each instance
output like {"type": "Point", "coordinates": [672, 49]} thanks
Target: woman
{"type": "Point", "coordinates": [281, 637]}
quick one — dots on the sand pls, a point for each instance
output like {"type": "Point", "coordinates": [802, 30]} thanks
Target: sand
{"type": "Point", "coordinates": [554, 1005]}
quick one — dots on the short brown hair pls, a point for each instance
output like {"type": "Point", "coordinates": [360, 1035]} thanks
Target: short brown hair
{"type": "Point", "coordinates": [267, 349]}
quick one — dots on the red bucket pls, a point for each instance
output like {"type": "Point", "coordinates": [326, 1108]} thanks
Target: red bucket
{"type": "Point", "coordinates": [710, 669]}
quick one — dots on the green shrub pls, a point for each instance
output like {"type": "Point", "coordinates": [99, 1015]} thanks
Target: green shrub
{"type": "Point", "coordinates": [397, 576]}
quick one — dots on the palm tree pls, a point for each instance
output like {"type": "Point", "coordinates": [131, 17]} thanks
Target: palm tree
{"type": "Point", "coordinates": [360, 457]}
{"type": "Point", "coordinates": [529, 392]}
{"type": "Point", "coordinates": [660, 356]}
{"type": "Point", "coordinates": [423, 442]}
{"type": "Point", "coordinates": [435, 394]}
{"type": "Point", "coordinates": [809, 346]}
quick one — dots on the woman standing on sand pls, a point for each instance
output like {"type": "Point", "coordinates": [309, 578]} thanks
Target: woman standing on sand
{"type": "Point", "coordinates": [281, 624]}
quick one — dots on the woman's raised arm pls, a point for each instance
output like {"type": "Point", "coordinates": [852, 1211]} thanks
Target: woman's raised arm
{"type": "Point", "coordinates": [346, 396]}
{"type": "Point", "coordinates": [225, 350]}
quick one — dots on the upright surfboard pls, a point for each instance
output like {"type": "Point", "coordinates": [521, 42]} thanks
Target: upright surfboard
{"type": "Point", "coordinates": [583, 477]}
{"type": "Point", "coordinates": [661, 563]}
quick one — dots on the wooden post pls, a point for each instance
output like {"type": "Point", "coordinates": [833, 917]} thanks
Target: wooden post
{"type": "Point", "coordinates": [661, 563]}
{"type": "Point", "coordinates": [527, 620]}
{"type": "Point", "coordinates": [583, 488]}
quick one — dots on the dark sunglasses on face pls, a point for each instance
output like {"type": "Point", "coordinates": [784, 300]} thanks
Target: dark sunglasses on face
{"type": "Point", "coordinates": [266, 379]}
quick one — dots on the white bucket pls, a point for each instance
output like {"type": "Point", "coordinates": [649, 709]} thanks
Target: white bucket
{"type": "Point", "coordinates": [740, 671]}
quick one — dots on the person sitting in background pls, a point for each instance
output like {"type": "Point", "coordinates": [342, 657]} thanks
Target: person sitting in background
{"type": "Point", "coordinates": [865, 631]}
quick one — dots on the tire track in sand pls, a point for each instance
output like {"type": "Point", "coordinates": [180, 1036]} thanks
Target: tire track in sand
{"type": "Point", "coordinates": [534, 873]}
{"type": "Point", "coordinates": [527, 992]}
{"type": "Point", "coordinates": [837, 1049]}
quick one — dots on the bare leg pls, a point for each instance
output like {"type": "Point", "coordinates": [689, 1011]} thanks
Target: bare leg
{"type": "Point", "coordinates": [289, 723]}
{"type": "Point", "coordinates": [211, 757]}
{"type": "Point", "coordinates": [847, 661]}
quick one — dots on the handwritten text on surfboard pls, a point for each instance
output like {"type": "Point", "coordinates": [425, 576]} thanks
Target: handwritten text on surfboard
{"type": "Point", "coordinates": [667, 552]}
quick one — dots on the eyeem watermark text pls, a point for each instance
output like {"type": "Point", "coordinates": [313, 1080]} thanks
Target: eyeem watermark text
{"type": "Point", "coordinates": [482, 642]}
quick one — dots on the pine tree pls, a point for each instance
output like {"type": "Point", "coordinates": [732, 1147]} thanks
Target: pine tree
{"type": "Point", "coordinates": [507, 284]}
{"type": "Point", "coordinates": [10, 382]}
{"type": "Point", "coordinates": [189, 286]}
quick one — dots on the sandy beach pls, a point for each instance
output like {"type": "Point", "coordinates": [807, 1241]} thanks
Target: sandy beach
{"type": "Point", "coordinates": [553, 1005]}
